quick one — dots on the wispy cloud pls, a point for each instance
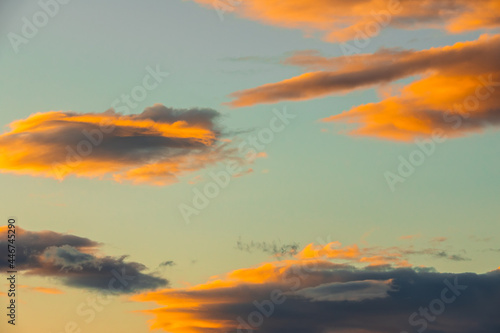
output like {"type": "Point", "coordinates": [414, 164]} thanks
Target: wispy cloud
{"type": "Point", "coordinates": [410, 237]}
{"type": "Point", "coordinates": [373, 256]}
{"type": "Point", "coordinates": [44, 290]}
{"type": "Point", "coordinates": [272, 248]}
{"type": "Point", "coordinates": [167, 263]}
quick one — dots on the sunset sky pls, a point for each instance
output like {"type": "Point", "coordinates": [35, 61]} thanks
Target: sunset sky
{"type": "Point", "coordinates": [345, 153]}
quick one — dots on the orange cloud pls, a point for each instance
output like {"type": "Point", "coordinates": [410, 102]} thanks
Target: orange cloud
{"type": "Point", "coordinates": [438, 239]}
{"type": "Point", "coordinates": [374, 256]}
{"type": "Point", "coordinates": [43, 290]}
{"type": "Point", "coordinates": [331, 250]}
{"type": "Point", "coordinates": [345, 74]}
{"type": "Point", "coordinates": [48, 290]}
{"type": "Point", "coordinates": [191, 310]}
{"type": "Point", "coordinates": [457, 91]}
{"type": "Point", "coordinates": [154, 147]}
{"type": "Point", "coordinates": [246, 299]}
{"type": "Point", "coordinates": [408, 237]}
{"type": "Point", "coordinates": [340, 21]}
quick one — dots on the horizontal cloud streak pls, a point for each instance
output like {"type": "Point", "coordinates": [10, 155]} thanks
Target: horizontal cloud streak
{"type": "Point", "coordinates": [340, 20]}
{"type": "Point", "coordinates": [272, 248]}
{"type": "Point", "coordinates": [366, 70]}
{"type": "Point", "coordinates": [458, 89]}
{"type": "Point", "coordinates": [374, 256]}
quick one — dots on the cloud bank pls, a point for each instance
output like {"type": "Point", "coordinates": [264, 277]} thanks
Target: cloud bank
{"type": "Point", "coordinates": [318, 295]}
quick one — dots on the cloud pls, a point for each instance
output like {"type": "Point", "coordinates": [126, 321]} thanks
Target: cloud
{"type": "Point", "coordinates": [272, 248]}
{"type": "Point", "coordinates": [456, 91]}
{"type": "Point", "coordinates": [439, 239]}
{"type": "Point", "coordinates": [480, 239]}
{"type": "Point", "coordinates": [167, 263]}
{"type": "Point", "coordinates": [437, 253]}
{"type": "Point", "coordinates": [245, 172]}
{"type": "Point", "coordinates": [347, 291]}
{"type": "Point", "coordinates": [311, 295]}
{"type": "Point", "coordinates": [374, 256]}
{"type": "Point", "coordinates": [44, 290]}
{"type": "Point", "coordinates": [154, 147]}
{"type": "Point", "coordinates": [340, 21]}
{"type": "Point", "coordinates": [52, 291]}
{"type": "Point", "coordinates": [410, 237]}
{"type": "Point", "coordinates": [30, 244]}
{"type": "Point", "coordinates": [72, 260]}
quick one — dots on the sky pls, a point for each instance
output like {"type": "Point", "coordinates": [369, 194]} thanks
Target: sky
{"type": "Point", "coordinates": [234, 166]}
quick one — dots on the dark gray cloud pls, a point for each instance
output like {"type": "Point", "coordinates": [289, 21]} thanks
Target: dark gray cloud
{"type": "Point", "coordinates": [167, 263]}
{"type": "Point", "coordinates": [319, 297]}
{"type": "Point", "coordinates": [438, 253]}
{"type": "Point", "coordinates": [30, 245]}
{"type": "Point", "coordinates": [72, 260]}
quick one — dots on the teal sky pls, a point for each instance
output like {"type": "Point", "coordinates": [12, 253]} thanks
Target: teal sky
{"type": "Point", "coordinates": [315, 182]}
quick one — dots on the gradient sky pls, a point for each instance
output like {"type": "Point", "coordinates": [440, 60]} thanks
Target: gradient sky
{"type": "Point", "coordinates": [315, 183]}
